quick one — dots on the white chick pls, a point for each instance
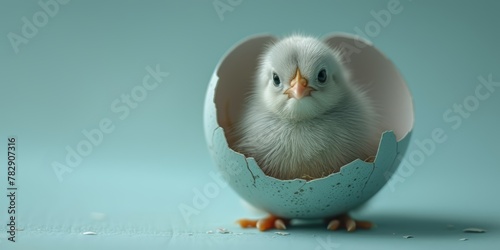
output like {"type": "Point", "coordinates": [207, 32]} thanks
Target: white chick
{"type": "Point", "coordinates": [304, 118]}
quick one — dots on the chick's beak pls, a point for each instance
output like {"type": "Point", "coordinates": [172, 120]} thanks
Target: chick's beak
{"type": "Point", "coordinates": [299, 87]}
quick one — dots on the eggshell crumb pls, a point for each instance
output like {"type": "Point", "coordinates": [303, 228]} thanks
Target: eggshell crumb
{"type": "Point", "coordinates": [282, 233]}
{"type": "Point", "coordinates": [474, 230]}
{"type": "Point", "coordinates": [223, 231]}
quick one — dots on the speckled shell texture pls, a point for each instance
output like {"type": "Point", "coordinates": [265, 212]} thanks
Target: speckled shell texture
{"type": "Point", "coordinates": [320, 198]}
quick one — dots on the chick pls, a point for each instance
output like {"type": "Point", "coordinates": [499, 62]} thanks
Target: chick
{"type": "Point", "coordinates": [304, 118]}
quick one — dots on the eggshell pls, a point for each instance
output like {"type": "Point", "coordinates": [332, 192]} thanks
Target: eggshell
{"type": "Point", "coordinates": [336, 193]}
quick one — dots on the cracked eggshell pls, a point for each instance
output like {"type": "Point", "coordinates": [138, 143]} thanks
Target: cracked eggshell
{"type": "Point", "coordinates": [336, 193]}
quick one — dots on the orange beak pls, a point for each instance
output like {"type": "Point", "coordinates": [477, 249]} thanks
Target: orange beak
{"type": "Point", "coordinates": [299, 87]}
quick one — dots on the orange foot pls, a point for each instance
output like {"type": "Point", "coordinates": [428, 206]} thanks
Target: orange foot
{"type": "Point", "coordinates": [271, 222]}
{"type": "Point", "coordinates": [347, 222]}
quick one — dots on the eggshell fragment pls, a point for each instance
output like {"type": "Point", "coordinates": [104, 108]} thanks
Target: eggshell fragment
{"type": "Point", "coordinates": [474, 230]}
{"type": "Point", "coordinates": [324, 197]}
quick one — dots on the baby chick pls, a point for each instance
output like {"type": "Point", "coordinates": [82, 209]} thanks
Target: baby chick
{"type": "Point", "coordinates": [304, 118]}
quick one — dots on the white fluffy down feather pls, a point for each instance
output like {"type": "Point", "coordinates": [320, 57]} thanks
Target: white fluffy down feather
{"type": "Point", "coordinates": [304, 118]}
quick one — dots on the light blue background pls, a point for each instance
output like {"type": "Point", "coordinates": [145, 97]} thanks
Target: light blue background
{"type": "Point", "coordinates": [65, 78]}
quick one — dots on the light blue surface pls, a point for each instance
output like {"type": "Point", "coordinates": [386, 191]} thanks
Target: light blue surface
{"type": "Point", "coordinates": [129, 188]}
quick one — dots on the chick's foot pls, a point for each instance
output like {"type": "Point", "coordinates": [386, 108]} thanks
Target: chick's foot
{"type": "Point", "coordinates": [345, 221]}
{"type": "Point", "coordinates": [271, 222]}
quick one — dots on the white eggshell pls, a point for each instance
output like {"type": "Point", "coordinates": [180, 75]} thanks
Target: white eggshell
{"type": "Point", "coordinates": [324, 197]}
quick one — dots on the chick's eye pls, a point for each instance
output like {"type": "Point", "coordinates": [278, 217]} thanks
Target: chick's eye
{"type": "Point", "coordinates": [276, 80]}
{"type": "Point", "coordinates": [322, 76]}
